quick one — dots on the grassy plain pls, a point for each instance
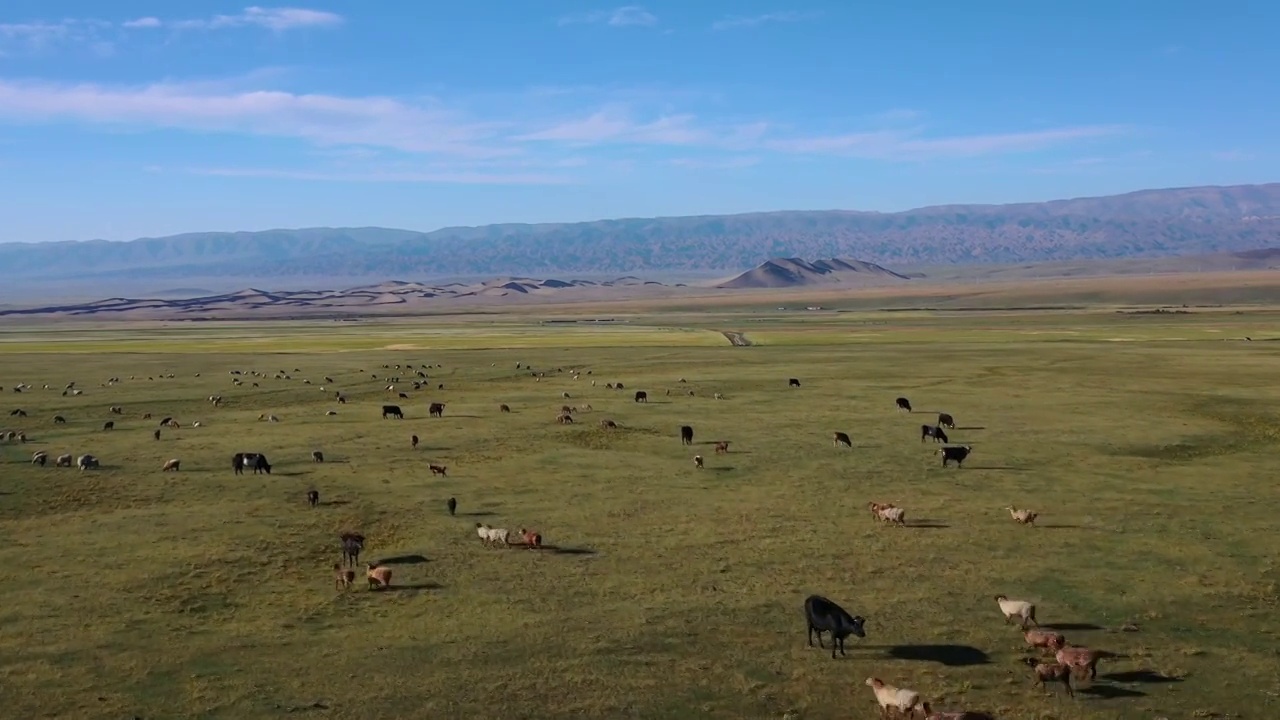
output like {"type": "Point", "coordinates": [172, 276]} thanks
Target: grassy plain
{"type": "Point", "coordinates": [1147, 442]}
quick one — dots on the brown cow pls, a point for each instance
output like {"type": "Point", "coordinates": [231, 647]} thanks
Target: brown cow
{"type": "Point", "coordinates": [839, 438]}
{"type": "Point", "coordinates": [532, 539]}
{"type": "Point", "coordinates": [439, 470]}
{"type": "Point", "coordinates": [722, 447]}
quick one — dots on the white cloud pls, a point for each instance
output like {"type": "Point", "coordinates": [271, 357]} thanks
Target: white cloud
{"type": "Point", "coordinates": [618, 17]}
{"type": "Point", "coordinates": [143, 22]}
{"type": "Point", "coordinates": [743, 21]}
{"type": "Point", "coordinates": [277, 19]}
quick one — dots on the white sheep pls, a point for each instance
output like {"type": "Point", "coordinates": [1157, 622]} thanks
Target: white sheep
{"type": "Point", "coordinates": [500, 535]}
{"type": "Point", "coordinates": [893, 514]}
{"type": "Point", "coordinates": [1020, 609]}
{"type": "Point", "coordinates": [904, 701]}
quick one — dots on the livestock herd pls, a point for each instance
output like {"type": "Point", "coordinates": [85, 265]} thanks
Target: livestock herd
{"type": "Point", "coordinates": [822, 614]}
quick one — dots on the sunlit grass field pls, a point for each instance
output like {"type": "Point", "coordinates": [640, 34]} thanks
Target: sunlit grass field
{"type": "Point", "coordinates": [1146, 442]}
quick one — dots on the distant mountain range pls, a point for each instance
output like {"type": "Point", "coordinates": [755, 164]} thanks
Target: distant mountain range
{"type": "Point", "coordinates": [1149, 223]}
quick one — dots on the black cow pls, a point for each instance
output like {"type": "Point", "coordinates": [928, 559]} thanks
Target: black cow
{"type": "Point", "coordinates": [793, 382]}
{"type": "Point", "coordinates": [352, 544]}
{"type": "Point", "coordinates": [156, 434]}
{"type": "Point", "coordinates": [452, 504]}
{"type": "Point", "coordinates": [904, 404]}
{"type": "Point", "coordinates": [826, 616]}
{"type": "Point", "coordinates": [642, 396]}
{"type": "Point", "coordinates": [686, 435]}
{"type": "Point", "coordinates": [317, 456]}
{"type": "Point", "coordinates": [392, 410]}
{"type": "Point", "coordinates": [839, 438]}
{"type": "Point", "coordinates": [18, 413]}
{"type": "Point", "coordinates": [945, 420]}
{"type": "Point", "coordinates": [414, 441]}
{"type": "Point", "coordinates": [109, 425]}
{"type": "Point", "coordinates": [956, 454]}
{"type": "Point", "coordinates": [313, 497]}
{"type": "Point", "coordinates": [403, 396]}
{"type": "Point", "coordinates": [933, 432]}
{"type": "Point", "coordinates": [165, 422]}
{"type": "Point", "coordinates": [256, 462]}
{"type": "Point", "coordinates": [436, 410]}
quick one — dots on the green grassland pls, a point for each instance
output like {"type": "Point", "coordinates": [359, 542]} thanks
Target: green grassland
{"type": "Point", "coordinates": [1146, 442]}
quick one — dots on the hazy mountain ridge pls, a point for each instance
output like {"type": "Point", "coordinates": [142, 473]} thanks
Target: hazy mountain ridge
{"type": "Point", "coordinates": [1147, 223]}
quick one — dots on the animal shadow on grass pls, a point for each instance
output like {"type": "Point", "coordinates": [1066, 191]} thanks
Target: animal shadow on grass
{"type": "Point", "coordinates": [949, 655]}
{"type": "Point", "coordinates": [560, 550]}
{"type": "Point", "coordinates": [1111, 692]}
{"type": "Point", "coordinates": [413, 586]}
{"type": "Point", "coordinates": [404, 560]}
{"type": "Point", "coordinates": [296, 473]}
{"type": "Point", "coordinates": [727, 468]}
{"type": "Point", "coordinates": [962, 429]}
{"type": "Point", "coordinates": [928, 524]}
{"type": "Point", "coordinates": [1005, 468]}
{"type": "Point", "coordinates": [1058, 526]}
{"type": "Point", "coordinates": [1069, 626]}
{"type": "Point", "coordinates": [335, 503]}
{"type": "Point", "coordinates": [1140, 676]}
{"type": "Point", "coordinates": [478, 513]}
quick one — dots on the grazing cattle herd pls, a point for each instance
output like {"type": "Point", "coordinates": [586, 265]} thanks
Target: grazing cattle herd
{"type": "Point", "coordinates": [822, 614]}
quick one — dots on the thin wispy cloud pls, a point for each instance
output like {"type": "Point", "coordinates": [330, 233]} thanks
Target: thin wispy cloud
{"type": "Point", "coordinates": [747, 21]}
{"type": "Point", "coordinates": [1232, 156]}
{"type": "Point", "coordinates": [518, 142]}
{"type": "Point", "coordinates": [278, 19]}
{"type": "Point", "coordinates": [627, 15]}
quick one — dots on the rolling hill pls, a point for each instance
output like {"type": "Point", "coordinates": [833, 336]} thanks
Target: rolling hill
{"type": "Point", "coordinates": [794, 272]}
{"type": "Point", "coordinates": [1149, 223]}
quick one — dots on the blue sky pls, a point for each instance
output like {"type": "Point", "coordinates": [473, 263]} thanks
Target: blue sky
{"type": "Point", "coordinates": [121, 118]}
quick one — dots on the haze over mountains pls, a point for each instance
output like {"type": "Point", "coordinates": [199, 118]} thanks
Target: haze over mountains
{"type": "Point", "coordinates": [1149, 223]}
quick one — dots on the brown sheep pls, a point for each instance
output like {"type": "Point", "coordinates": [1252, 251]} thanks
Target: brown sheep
{"type": "Point", "coordinates": [1044, 639]}
{"type": "Point", "coordinates": [439, 470]}
{"type": "Point", "coordinates": [566, 410]}
{"type": "Point", "coordinates": [171, 465]}
{"type": "Point", "coordinates": [722, 447]}
{"type": "Point", "coordinates": [342, 578]}
{"type": "Point", "coordinates": [532, 538]}
{"type": "Point", "coordinates": [608, 424]}
{"type": "Point", "coordinates": [379, 577]}
{"type": "Point", "coordinates": [1080, 659]}
{"type": "Point", "coordinates": [1050, 671]}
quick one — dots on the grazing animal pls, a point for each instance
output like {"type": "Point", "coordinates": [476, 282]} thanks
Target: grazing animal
{"type": "Point", "coordinates": [904, 701]}
{"type": "Point", "coordinates": [793, 382]}
{"type": "Point", "coordinates": [483, 531]}
{"type": "Point", "coordinates": [722, 447]}
{"type": "Point", "coordinates": [1079, 658]}
{"type": "Point", "coordinates": [839, 438]}
{"type": "Point", "coordinates": [532, 538]}
{"type": "Point", "coordinates": [436, 410]}
{"type": "Point", "coordinates": [697, 461]}
{"type": "Point", "coordinates": [946, 421]}
{"type": "Point", "coordinates": [564, 395]}
{"type": "Point", "coordinates": [257, 462]}
{"type": "Point", "coordinates": [642, 396]}
{"type": "Point", "coordinates": [823, 615]}
{"type": "Point", "coordinates": [317, 456]}
{"type": "Point", "coordinates": [904, 404]}
{"type": "Point", "coordinates": [414, 442]}
{"type": "Point", "coordinates": [392, 411]}
{"type": "Point", "coordinates": [718, 396]}
{"type": "Point", "coordinates": [1021, 609]}
{"type": "Point", "coordinates": [63, 460]}
{"type": "Point", "coordinates": [17, 413]}
{"type": "Point", "coordinates": [955, 454]}
{"type": "Point", "coordinates": [1043, 671]}
{"type": "Point", "coordinates": [156, 434]}
{"type": "Point", "coordinates": [342, 578]}
{"type": "Point", "coordinates": [109, 425]}
{"type": "Point", "coordinates": [404, 396]}
{"type": "Point", "coordinates": [564, 419]}
{"type": "Point", "coordinates": [876, 507]}
{"type": "Point", "coordinates": [59, 420]}
{"type": "Point", "coordinates": [686, 435]}
{"type": "Point", "coordinates": [893, 515]}
{"type": "Point", "coordinates": [40, 458]}
{"type": "Point", "coordinates": [330, 412]}
{"type": "Point", "coordinates": [438, 470]}
{"type": "Point", "coordinates": [608, 424]}
{"type": "Point", "coordinates": [1023, 517]}
{"type": "Point", "coordinates": [173, 465]}
{"type": "Point", "coordinates": [165, 422]}
{"type": "Point", "coordinates": [452, 504]}
{"type": "Point", "coordinates": [929, 714]}
{"type": "Point", "coordinates": [936, 433]}
{"type": "Point", "coordinates": [352, 544]}
{"type": "Point", "coordinates": [1044, 638]}
{"type": "Point", "coordinates": [117, 410]}
{"type": "Point", "coordinates": [379, 577]}
{"type": "Point", "coordinates": [87, 462]}
{"type": "Point", "coordinates": [313, 497]}
{"type": "Point", "coordinates": [504, 408]}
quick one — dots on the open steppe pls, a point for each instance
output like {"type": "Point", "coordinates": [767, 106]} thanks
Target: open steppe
{"type": "Point", "coordinates": [1146, 440]}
